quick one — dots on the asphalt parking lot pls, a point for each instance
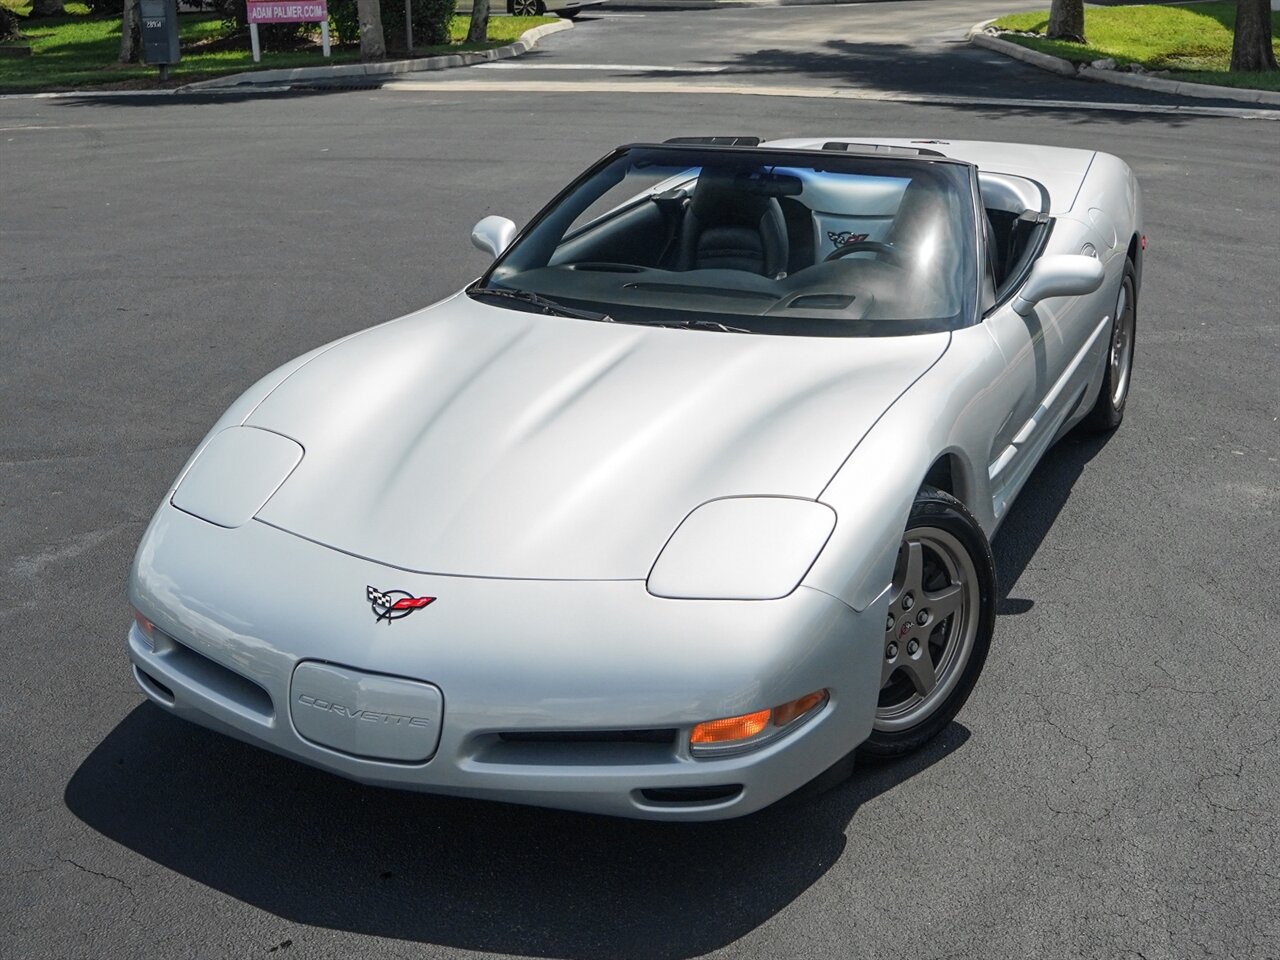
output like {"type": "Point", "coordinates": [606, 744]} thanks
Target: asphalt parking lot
{"type": "Point", "coordinates": [1111, 790]}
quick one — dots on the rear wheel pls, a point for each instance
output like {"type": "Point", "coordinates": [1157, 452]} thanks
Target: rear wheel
{"type": "Point", "coordinates": [527, 8]}
{"type": "Point", "coordinates": [939, 625]}
{"type": "Point", "coordinates": [1108, 411]}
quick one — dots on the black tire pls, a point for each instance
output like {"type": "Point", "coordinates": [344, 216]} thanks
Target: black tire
{"type": "Point", "coordinates": [1108, 410]}
{"type": "Point", "coordinates": [569, 14]}
{"type": "Point", "coordinates": [954, 565]}
{"type": "Point", "coordinates": [538, 8]}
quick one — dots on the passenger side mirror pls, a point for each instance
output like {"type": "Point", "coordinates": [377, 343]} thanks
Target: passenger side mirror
{"type": "Point", "coordinates": [1064, 275]}
{"type": "Point", "coordinates": [493, 235]}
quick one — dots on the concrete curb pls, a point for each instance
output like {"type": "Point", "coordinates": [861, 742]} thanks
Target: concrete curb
{"type": "Point", "coordinates": [979, 37]}
{"type": "Point", "coordinates": [346, 71]}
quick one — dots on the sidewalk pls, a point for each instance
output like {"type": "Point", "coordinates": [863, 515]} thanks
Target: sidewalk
{"type": "Point", "coordinates": [385, 69]}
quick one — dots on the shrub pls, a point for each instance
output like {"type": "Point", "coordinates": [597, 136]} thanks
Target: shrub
{"type": "Point", "coordinates": [105, 8]}
{"type": "Point", "coordinates": [344, 21]}
{"type": "Point", "coordinates": [430, 22]}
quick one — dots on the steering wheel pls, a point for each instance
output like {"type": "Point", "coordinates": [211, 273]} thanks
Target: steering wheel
{"type": "Point", "coordinates": [890, 252]}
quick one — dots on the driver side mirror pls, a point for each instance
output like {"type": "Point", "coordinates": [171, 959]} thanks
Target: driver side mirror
{"type": "Point", "coordinates": [1063, 275]}
{"type": "Point", "coordinates": [493, 235]}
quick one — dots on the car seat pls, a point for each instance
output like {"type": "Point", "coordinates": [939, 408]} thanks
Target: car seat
{"type": "Point", "coordinates": [728, 227]}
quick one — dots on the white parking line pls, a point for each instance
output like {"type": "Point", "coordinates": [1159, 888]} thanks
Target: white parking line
{"type": "Point", "coordinates": [830, 93]}
{"type": "Point", "coordinates": [611, 67]}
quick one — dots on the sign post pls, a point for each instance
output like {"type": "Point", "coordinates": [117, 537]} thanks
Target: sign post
{"type": "Point", "coordinates": [287, 11]}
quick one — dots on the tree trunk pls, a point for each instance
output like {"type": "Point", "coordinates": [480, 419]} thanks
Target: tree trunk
{"type": "Point", "coordinates": [478, 30]}
{"type": "Point", "coordinates": [8, 24]}
{"type": "Point", "coordinates": [1251, 48]}
{"type": "Point", "coordinates": [47, 8]}
{"type": "Point", "coordinates": [373, 46]}
{"type": "Point", "coordinates": [130, 33]}
{"type": "Point", "coordinates": [1066, 21]}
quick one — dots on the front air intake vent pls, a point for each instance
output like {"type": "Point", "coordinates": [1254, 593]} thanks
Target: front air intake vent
{"type": "Point", "coordinates": [194, 671]}
{"type": "Point", "coordinates": [153, 686]}
{"type": "Point", "coordinates": [577, 748]}
{"type": "Point", "coordinates": [667, 736]}
{"type": "Point", "coordinates": [691, 795]}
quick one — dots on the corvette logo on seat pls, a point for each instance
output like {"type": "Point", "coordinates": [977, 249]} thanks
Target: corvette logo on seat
{"type": "Point", "coordinates": [845, 237]}
{"type": "Point", "coordinates": [393, 604]}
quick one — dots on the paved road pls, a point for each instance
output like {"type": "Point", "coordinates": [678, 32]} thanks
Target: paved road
{"type": "Point", "coordinates": [1111, 790]}
{"type": "Point", "coordinates": [875, 50]}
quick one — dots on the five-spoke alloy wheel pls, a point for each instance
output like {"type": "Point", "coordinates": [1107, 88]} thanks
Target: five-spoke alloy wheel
{"type": "Point", "coordinates": [938, 625]}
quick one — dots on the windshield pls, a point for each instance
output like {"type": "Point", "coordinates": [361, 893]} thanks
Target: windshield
{"type": "Point", "coordinates": [761, 241]}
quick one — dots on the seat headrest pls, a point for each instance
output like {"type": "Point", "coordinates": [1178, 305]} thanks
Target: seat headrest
{"type": "Point", "coordinates": [726, 196]}
{"type": "Point", "coordinates": [924, 204]}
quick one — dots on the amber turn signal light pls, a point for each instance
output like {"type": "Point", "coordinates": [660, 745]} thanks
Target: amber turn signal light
{"type": "Point", "coordinates": [143, 623]}
{"type": "Point", "coordinates": [748, 727]}
{"type": "Point", "coordinates": [730, 728]}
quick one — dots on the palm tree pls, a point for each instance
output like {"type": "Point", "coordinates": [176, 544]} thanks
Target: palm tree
{"type": "Point", "coordinates": [373, 46]}
{"type": "Point", "coordinates": [1251, 47]}
{"type": "Point", "coordinates": [478, 30]}
{"type": "Point", "coordinates": [1066, 20]}
{"type": "Point", "coordinates": [130, 33]}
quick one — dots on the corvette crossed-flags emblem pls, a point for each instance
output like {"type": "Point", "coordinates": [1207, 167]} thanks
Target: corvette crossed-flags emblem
{"type": "Point", "coordinates": [394, 604]}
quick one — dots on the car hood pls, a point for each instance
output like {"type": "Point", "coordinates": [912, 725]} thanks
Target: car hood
{"type": "Point", "coordinates": [476, 440]}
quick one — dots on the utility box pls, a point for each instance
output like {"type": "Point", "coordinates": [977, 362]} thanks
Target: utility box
{"type": "Point", "coordinates": [160, 33]}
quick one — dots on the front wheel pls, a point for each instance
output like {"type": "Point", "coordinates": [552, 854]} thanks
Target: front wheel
{"type": "Point", "coordinates": [938, 626]}
{"type": "Point", "coordinates": [527, 8]}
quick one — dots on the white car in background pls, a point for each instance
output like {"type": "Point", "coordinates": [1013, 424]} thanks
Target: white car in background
{"type": "Point", "coordinates": [568, 9]}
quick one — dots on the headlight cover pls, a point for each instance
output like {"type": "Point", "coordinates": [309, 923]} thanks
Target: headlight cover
{"type": "Point", "coordinates": [235, 474]}
{"type": "Point", "coordinates": [742, 548]}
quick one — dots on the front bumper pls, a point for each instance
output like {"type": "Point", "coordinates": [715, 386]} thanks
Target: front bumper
{"type": "Point", "coordinates": [516, 664]}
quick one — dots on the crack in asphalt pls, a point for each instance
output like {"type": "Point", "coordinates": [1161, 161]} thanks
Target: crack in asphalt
{"type": "Point", "coordinates": [32, 565]}
{"type": "Point", "coordinates": [99, 873]}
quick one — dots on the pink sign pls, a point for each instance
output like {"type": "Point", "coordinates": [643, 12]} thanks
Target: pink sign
{"type": "Point", "coordinates": [287, 11]}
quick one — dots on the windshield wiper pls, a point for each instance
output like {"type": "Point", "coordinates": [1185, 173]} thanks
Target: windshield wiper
{"type": "Point", "coordinates": [545, 304]}
{"type": "Point", "coordinates": [702, 325]}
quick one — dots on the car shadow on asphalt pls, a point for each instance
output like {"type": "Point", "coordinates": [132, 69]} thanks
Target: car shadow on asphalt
{"type": "Point", "coordinates": [953, 69]}
{"type": "Point", "coordinates": [1034, 512]}
{"type": "Point", "coordinates": [216, 97]}
{"type": "Point", "coordinates": [319, 850]}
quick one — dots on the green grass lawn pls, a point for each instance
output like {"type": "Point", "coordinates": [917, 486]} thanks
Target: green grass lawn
{"type": "Point", "coordinates": [78, 51]}
{"type": "Point", "coordinates": [1192, 41]}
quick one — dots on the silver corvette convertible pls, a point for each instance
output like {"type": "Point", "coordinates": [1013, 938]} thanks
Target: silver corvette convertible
{"type": "Point", "coordinates": [683, 505]}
